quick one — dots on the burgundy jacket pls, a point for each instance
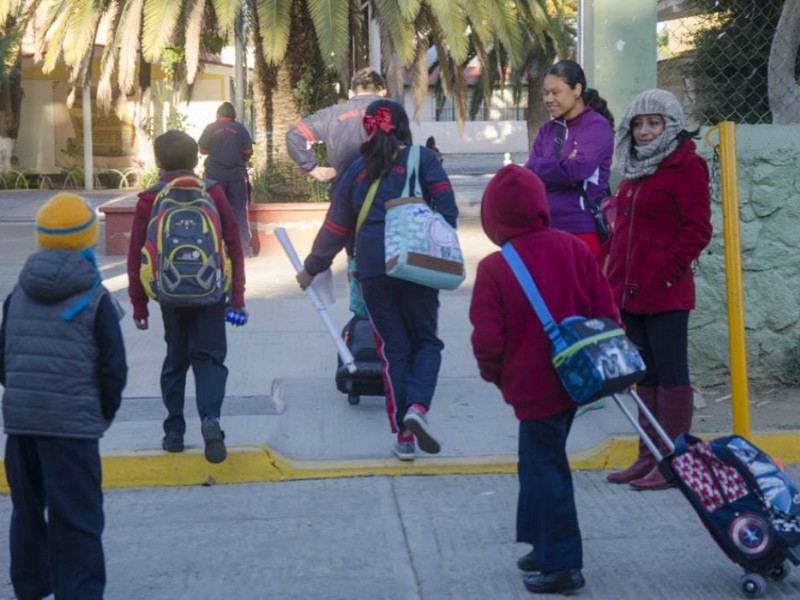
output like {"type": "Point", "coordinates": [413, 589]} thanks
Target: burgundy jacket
{"type": "Point", "coordinates": [663, 222]}
{"type": "Point", "coordinates": [141, 218]}
{"type": "Point", "coordinates": [508, 340]}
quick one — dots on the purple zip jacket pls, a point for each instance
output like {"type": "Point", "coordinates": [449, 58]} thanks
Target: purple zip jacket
{"type": "Point", "coordinates": [586, 155]}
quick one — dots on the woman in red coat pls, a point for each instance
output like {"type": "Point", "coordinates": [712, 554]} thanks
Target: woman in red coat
{"type": "Point", "coordinates": [513, 352]}
{"type": "Point", "coordinates": [662, 224]}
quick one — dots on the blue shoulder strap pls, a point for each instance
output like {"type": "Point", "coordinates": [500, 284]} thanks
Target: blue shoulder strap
{"type": "Point", "coordinates": [532, 292]}
{"type": "Point", "coordinates": [412, 169]}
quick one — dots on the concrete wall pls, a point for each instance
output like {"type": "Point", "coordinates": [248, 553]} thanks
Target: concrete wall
{"type": "Point", "coordinates": [768, 172]}
{"type": "Point", "coordinates": [479, 137]}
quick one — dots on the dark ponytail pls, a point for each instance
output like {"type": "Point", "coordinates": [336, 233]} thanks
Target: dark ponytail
{"type": "Point", "coordinates": [572, 74]}
{"type": "Point", "coordinates": [379, 150]}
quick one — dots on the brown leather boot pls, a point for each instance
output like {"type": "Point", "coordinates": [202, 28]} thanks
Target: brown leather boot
{"type": "Point", "coordinates": [675, 410]}
{"type": "Point", "coordinates": [645, 462]}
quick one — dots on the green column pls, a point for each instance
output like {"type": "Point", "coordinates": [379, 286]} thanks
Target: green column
{"type": "Point", "coordinates": [618, 48]}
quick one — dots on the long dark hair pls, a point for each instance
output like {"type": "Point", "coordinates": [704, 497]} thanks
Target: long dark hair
{"type": "Point", "coordinates": [572, 74]}
{"type": "Point", "coordinates": [379, 149]}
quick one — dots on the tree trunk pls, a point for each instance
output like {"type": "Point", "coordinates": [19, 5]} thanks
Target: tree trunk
{"type": "Point", "coordinates": [784, 93]}
{"type": "Point", "coordinates": [10, 114]}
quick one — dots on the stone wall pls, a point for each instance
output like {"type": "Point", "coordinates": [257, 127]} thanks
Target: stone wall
{"type": "Point", "coordinates": [768, 173]}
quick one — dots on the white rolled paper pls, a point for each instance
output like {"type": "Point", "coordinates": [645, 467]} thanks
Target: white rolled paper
{"type": "Point", "coordinates": [344, 352]}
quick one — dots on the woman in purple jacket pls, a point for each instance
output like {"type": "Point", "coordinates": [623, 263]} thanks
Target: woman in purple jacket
{"type": "Point", "coordinates": [572, 152]}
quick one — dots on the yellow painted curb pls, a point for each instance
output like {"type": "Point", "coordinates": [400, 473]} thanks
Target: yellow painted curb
{"type": "Point", "coordinates": [247, 464]}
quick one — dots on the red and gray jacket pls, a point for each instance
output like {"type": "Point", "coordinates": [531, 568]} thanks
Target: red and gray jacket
{"type": "Point", "coordinates": [339, 127]}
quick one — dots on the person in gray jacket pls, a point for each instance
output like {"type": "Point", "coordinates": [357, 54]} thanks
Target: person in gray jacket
{"type": "Point", "coordinates": [339, 127]}
{"type": "Point", "coordinates": [63, 368]}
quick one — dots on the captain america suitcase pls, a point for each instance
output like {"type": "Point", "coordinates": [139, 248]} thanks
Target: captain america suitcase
{"type": "Point", "coordinates": [746, 502]}
{"type": "Point", "coordinates": [367, 380]}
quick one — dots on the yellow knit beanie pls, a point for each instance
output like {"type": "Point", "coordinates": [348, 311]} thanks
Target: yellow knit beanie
{"type": "Point", "coordinates": [66, 221]}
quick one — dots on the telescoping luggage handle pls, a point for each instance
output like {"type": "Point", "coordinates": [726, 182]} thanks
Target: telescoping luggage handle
{"type": "Point", "coordinates": [651, 445]}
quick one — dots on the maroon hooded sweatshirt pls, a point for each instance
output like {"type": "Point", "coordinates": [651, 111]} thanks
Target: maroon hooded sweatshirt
{"type": "Point", "coordinates": [508, 340]}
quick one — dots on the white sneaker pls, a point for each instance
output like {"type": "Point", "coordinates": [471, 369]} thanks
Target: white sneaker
{"type": "Point", "coordinates": [404, 450]}
{"type": "Point", "coordinates": [416, 422]}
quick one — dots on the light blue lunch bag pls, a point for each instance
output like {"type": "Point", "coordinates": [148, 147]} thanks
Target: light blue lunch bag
{"type": "Point", "coordinates": [420, 245]}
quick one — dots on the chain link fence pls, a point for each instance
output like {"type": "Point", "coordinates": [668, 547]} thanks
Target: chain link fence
{"type": "Point", "coordinates": [715, 56]}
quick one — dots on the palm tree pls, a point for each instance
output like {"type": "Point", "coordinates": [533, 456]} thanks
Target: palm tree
{"type": "Point", "coordinates": [14, 17]}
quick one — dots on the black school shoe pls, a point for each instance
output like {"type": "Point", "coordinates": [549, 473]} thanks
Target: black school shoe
{"type": "Point", "coordinates": [214, 439]}
{"type": "Point", "coordinates": [173, 442]}
{"type": "Point", "coordinates": [558, 582]}
{"type": "Point", "coordinates": [527, 563]}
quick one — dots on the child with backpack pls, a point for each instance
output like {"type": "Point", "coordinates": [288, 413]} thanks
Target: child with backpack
{"type": "Point", "coordinates": [185, 253]}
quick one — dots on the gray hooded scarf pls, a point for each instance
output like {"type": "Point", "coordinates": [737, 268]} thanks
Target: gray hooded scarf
{"type": "Point", "coordinates": [635, 162]}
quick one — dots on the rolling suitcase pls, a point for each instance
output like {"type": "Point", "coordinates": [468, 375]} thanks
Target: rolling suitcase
{"type": "Point", "coordinates": [368, 377]}
{"type": "Point", "coordinates": [747, 504]}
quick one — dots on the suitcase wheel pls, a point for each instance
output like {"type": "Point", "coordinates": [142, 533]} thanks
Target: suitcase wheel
{"type": "Point", "coordinates": [753, 585]}
{"type": "Point", "coordinates": [353, 399]}
{"type": "Point", "coordinates": [780, 572]}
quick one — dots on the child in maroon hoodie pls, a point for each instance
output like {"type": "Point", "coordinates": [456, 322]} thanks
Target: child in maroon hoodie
{"type": "Point", "coordinates": [513, 352]}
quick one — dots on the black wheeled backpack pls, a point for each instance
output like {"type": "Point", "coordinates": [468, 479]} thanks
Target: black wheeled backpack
{"type": "Point", "coordinates": [184, 259]}
{"type": "Point", "coordinates": [368, 377]}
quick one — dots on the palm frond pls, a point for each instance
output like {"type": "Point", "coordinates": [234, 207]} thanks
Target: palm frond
{"type": "Point", "coordinates": [194, 27]}
{"type": "Point", "coordinates": [54, 39]}
{"type": "Point", "coordinates": [452, 19]}
{"type": "Point", "coordinates": [81, 28]}
{"type": "Point", "coordinates": [409, 9]}
{"type": "Point", "coordinates": [160, 18]}
{"type": "Point", "coordinates": [419, 77]}
{"type": "Point", "coordinates": [108, 58]}
{"type": "Point", "coordinates": [478, 17]}
{"type": "Point", "coordinates": [130, 25]}
{"type": "Point", "coordinates": [274, 18]}
{"type": "Point", "coordinates": [506, 29]}
{"type": "Point", "coordinates": [226, 12]}
{"type": "Point", "coordinates": [332, 25]}
{"type": "Point", "coordinates": [398, 26]}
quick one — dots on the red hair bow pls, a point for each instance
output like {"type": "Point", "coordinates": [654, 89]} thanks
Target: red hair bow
{"type": "Point", "coordinates": [382, 119]}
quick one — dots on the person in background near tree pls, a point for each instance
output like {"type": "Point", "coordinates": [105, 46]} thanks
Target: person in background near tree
{"type": "Point", "coordinates": [404, 315]}
{"type": "Point", "coordinates": [229, 148]}
{"type": "Point", "coordinates": [339, 127]}
{"type": "Point", "coordinates": [572, 152]}
{"type": "Point", "coordinates": [513, 352]}
{"type": "Point", "coordinates": [662, 224]}
{"type": "Point", "coordinates": [63, 369]}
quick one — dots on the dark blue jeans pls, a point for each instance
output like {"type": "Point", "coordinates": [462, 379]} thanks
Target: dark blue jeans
{"type": "Point", "coordinates": [406, 318]}
{"type": "Point", "coordinates": [195, 338]}
{"type": "Point", "coordinates": [62, 554]}
{"type": "Point", "coordinates": [234, 182]}
{"type": "Point", "coordinates": [546, 513]}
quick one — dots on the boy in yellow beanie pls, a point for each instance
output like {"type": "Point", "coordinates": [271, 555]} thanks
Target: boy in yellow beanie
{"type": "Point", "coordinates": [61, 324]}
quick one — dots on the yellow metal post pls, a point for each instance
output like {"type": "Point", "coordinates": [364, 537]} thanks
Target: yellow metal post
{"type": "Point", "coordinates": [733, 276]}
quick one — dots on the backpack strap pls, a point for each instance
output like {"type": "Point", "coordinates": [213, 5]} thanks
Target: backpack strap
{"type": "Point", "coordinates": [534, 297]}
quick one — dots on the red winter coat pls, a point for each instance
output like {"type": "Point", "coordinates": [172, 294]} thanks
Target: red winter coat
{"type": "Point", "coordinates": [663, 223]}
{"type": "Point", "coordinates": [508, 340]}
